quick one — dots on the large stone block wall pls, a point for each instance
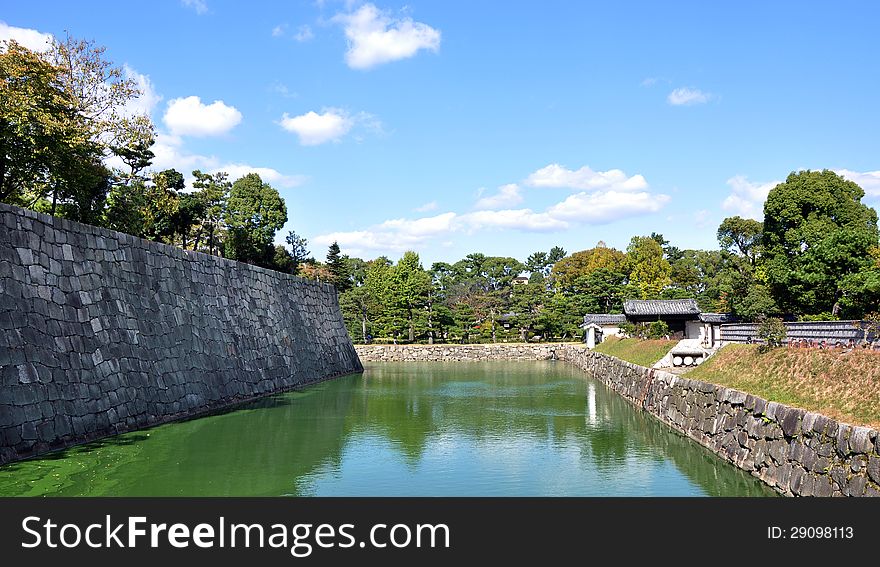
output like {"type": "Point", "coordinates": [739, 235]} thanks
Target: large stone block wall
{"type": "Point", "coordinates": [797, 452]}
{"type": "Point", "coordinates": [102, 332]}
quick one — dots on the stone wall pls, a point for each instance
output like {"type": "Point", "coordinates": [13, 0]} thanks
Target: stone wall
{"type": "Point", "coordinates": [458, 353]}
{"type": "Point", "coordinates": [102, 333]}
{"type": "Point", "coordinates": [799, 453]}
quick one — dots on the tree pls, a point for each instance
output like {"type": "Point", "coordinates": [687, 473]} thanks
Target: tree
{"type": "Point", "coordinates": [125, 206]}
{"type": "Point", "coordinates": [282, 261]}
{"type": "Point", "coordinates": [100, 92]}
{"type": "Point", "coordinates": [772, 331]}
{"type": "Point", "coordinates": [378, 288]}
{"type": "Point", "coordinates": [556, 254]}
{"type": "Point", "coordinates": [254, 212]}
{"type": "Point", "coordinates": [742, 236]}
{"type": "Point", "coordinates": [185, 220]}
{"type": "Point", "coordinates": [212, 191]}
{"type": "Point", "coordinates": [571, 273]}
{"type": "Point", "coordinates": [411, 287]}
{"type": "Point", "coordinates": [817, 234]}
{"type": "Point", "coordinates": [299, 251]}
{"type": "Point", "coordinates": [648, 269]}
{"type": "Point", "coordinates": [42, 136]}
{"type": "Point", "coordinates": [537, 263]}
{"type": "Point", "coordinates": [314, 271]}
{"type": "Point", "coordinates": [338, 266]}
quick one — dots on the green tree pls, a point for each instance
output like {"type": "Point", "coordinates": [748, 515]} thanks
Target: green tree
{"type": "Point", "coordinates": [282, 260]}
{"type": "Point", "coordinates": [212, 190]}
{"type": "Point", "coordinates": [299, 251]}
{"type": "Point", "coordinates": [556, 254]}
{"type": "Point", "coordinates": [741, 236]}
{"type": "Point", "coordinates": [570, 274]}
{"type": "Point", "coordinates": [338, 266]}
{"type": "Point", "coordinates": [43, 139]}
{"type": "Point", "coordinates": [254, 213]}
{"type": "Point", "coordinates": [411, 286]}
{"type": "Point", "coordinates": [537, 263]}
{"type": "Point", "coordinates": [125, 206]}
{"type": "Point", "coordinates": [649, 271]}
{"type": "Point", "coordinates": [381, 310]}
{"type": "Point", "coordinates": [817, 235]}
{"type": "Point", "coordinates": [772, 331]}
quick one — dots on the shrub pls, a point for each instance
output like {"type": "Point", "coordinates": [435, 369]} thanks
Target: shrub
{"type": "Point", "coordinates": [657, 330]}
{"type": "Point", "coordinates": [629, 329]}
{"type": "Point", "coordinates": [772, 331]}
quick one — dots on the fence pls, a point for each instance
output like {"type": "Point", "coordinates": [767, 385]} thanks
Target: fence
{"type": "Point", "coordinates": [833, 333]}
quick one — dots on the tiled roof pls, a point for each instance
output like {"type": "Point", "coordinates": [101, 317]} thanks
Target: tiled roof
{"type": "Point", "coordinates": [604, 318]}
{"type": "Point", "coordinates": [717, 317]}
{"type": "Point", "coordinates": [653, 307]}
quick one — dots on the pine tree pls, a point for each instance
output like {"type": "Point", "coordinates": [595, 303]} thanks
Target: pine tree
{"type": "Point", "coordinates": [338, 266]}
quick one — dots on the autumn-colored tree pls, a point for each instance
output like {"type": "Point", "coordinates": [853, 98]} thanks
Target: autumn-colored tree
{"type": "Point", "coordinates": [571, 273]}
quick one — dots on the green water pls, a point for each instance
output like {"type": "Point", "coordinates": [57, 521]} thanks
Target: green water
{"type": "Point", "coordinates": [462, 429]}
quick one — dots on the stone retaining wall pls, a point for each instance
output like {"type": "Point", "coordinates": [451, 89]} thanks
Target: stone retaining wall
{"type": "Point", "coordinates": [459, 353]}
{"type": "Point", "coordinates": [102, 333]}
{"type": "Point", "coordinates": [799, 453]}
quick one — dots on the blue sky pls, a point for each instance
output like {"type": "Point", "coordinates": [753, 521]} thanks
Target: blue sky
{"type": "Point", "coordinates": [502, 127]}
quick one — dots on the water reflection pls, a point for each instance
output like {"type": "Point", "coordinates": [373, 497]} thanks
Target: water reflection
{"type": "Point", "coordinates": [511, 428]}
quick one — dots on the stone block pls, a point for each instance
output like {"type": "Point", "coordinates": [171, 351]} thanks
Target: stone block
{"type": "Point", "coordinates": [873, 468]}
{"type": "Point", "coordinates": [860, 440]}
{"type": "Point", "coordinates": [856, 485]}
{"type": "Point", "coordinates": [790, 421]}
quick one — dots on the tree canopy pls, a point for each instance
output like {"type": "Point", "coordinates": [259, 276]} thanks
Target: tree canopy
{"type": "Point", "coordinates": [816, 233]}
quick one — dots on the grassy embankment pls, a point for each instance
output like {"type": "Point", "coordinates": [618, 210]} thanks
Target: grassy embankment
{"type": "Point", "coordinates": [841, 385]}
{"type": "Point", "coordinates": [641, 352]}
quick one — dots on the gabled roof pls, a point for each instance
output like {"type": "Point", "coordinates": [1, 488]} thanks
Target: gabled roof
{"type": "Point", "coordinates": [604, 318]}
{"type": "Point", "coordinates": [717, 318]}
{"type": "Point", "coordinates": [655, 307]}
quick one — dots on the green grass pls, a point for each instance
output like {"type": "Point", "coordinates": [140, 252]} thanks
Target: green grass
{"type": "Point", "coordinates": [842, 385]}
{"type": "Point", "coordinates": [637, 351]}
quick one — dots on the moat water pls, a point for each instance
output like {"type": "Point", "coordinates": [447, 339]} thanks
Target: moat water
{"type": "Point", "coordinates": [402, 429]}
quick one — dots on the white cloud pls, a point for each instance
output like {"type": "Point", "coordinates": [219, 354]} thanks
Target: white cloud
{"type": "Point", "coordinates": [425, 226]}
{"type": "Point", "coordinates": [427, 207]}
{"type": "Point", "coordinates": [32, 39]}
{"type": "Point", "coordinates": [190, 117]}
{"type": "Point", "coordinates": [393, 236]}
{"type": "Point", "coordinates": [506, 197]}
{"type": "Point", "coordinates": [868, 180]}
{"type": "Point", "coordinates": [314, 129]}
{"type": "Point", "coordinates": [267, 174]}
{"type": "Point", "coordinates": [524, 220]}
{"type": "Point", "coordinates": [746, 198]}
{"type": "Point", "coordinates": [148, 99]}
{"type": "Point", "coordinates": [608, 206]}
{"type": "Point", "coordinates": [375, 38]}
{"type": "Point", "coordinates": [304, 33]}
{"type": "Point", "coordinates": [612, 196]}
{"type": "Point", "coordinates": [169, 153]}
{"type": "Point", "coordinates": [688, 96]}
{"type": "Point", "coordinates": [555, 175]}
{"type": "Point", "coordinates": [279, 30]}
{"type": "Point", "coordinates": [200, 6]}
